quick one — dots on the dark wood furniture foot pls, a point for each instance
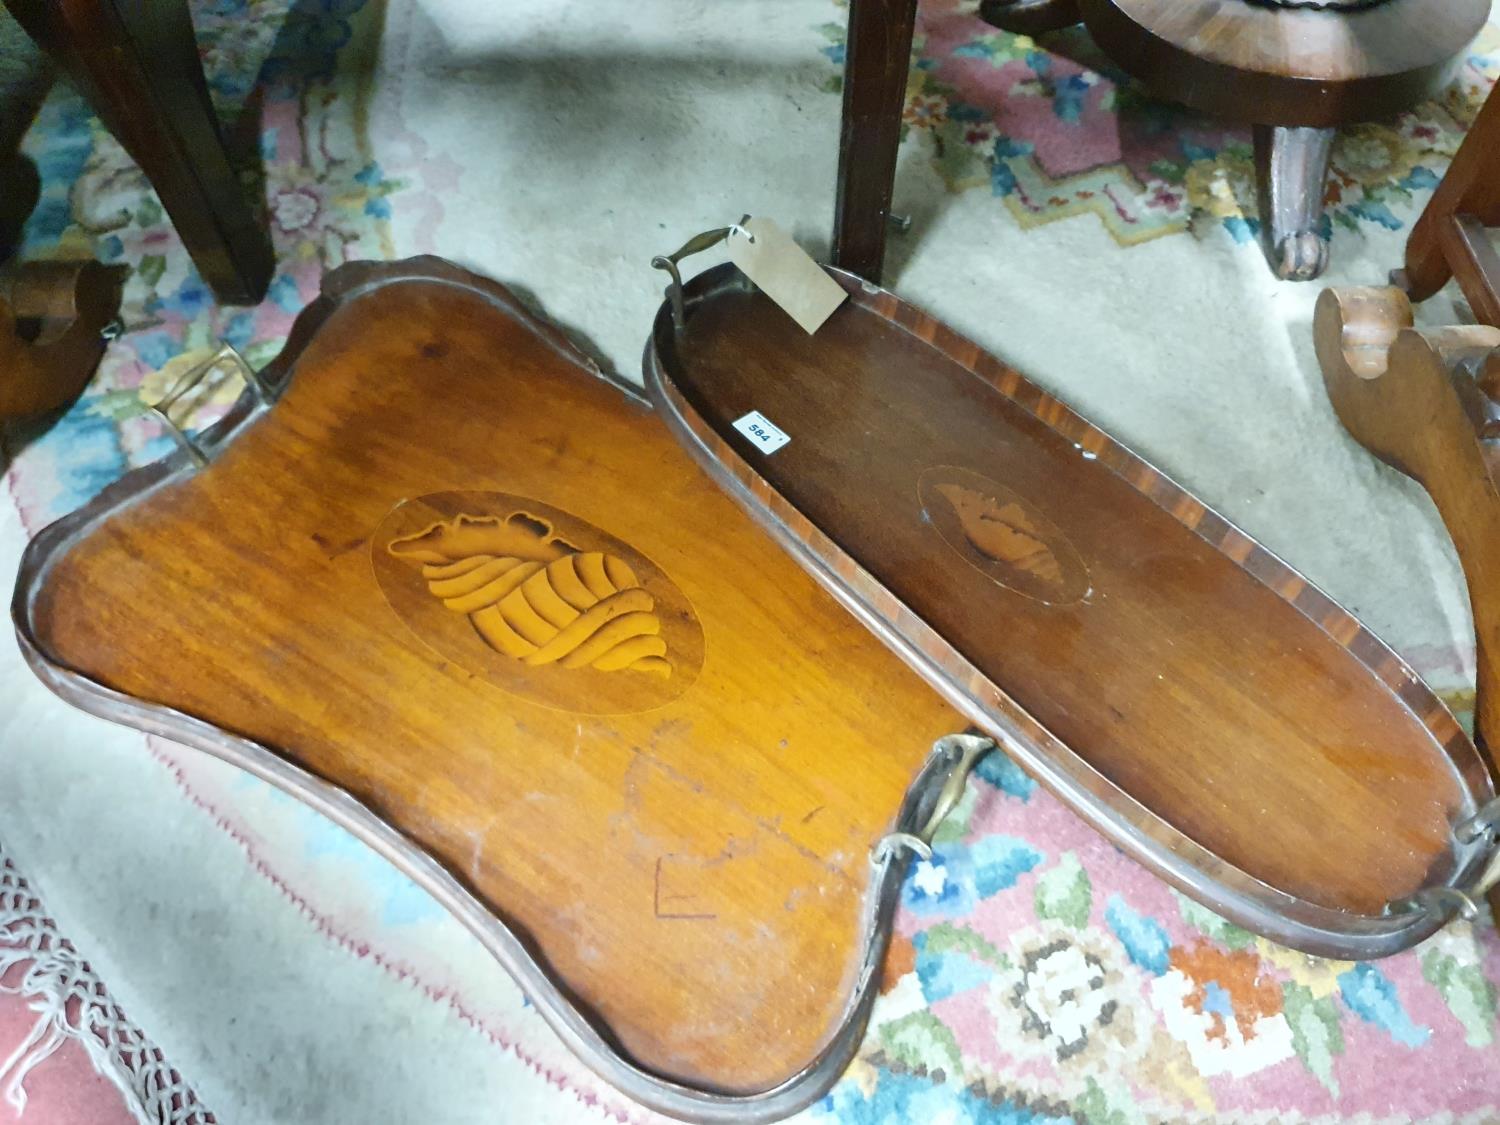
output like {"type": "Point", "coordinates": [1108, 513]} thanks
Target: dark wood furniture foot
{"type": "Point", "coordinates": [875, 66]}
{"type": "Point", "coordinates": [1292, 168]}
{"type": "Point", "coordinates": [1030, 17]}
{"type": "Point", "coordinates": [1295, 71]}
{"type": "Point", "coordinates": [138, 65]}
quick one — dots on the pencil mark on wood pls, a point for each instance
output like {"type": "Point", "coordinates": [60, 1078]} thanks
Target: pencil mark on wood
{"type": "Point", "coordinates": [333, 549]}
{"type": "Point", "coordinates": [657, 899]}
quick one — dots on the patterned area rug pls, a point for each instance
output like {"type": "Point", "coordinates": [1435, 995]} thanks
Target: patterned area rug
{"type": "Point", "coordinates": [1058, 131]}
{"type": "Point", "coordinates": [1037, 975]}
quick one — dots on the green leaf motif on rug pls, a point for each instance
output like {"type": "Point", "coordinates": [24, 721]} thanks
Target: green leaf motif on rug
{"type": "Point", "coordinates": [1206, 922]}
{"type": "Point", "coordinates": [1065, 893]}
{"type": "Point", "coordinates": [151, 268]}
{"type": "Point", "coordinates": [1096, 1107]}
{"type": "Point", "coordinates": [956, 823]}
{"type": "Point", "coordinates": [1316, 1035]}
{"type": "Point", "coordinates": [262, 352]}
{"type": "Point", "coordinates": [922, 1040]}
{"type": "Point", "coordinates": [116, 405]}
{"type": "Point", "coordinates": [1169, 171]}
{"type": "Point", "coordinates": [148, 214]}
{"type": "Point", "coordinates": [1469, 996]}
{"type": "Point", "coordinates": [946, 937]}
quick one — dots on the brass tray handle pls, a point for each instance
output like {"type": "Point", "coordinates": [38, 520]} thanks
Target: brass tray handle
{"type": "Point", "coordinates": [695, 245]}
{"type": "Point", "coordinates": [959, 754]}
{"type": "Point", "coordinates": [1481, 828]}
{"type": "Point", "coordinates": [225, 356]}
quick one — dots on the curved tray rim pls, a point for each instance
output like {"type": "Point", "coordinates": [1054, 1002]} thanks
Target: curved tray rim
{"type": "Point", "coordinates": [581, 1032]}
{"type": "Point", "coordinates": [1125, 822]}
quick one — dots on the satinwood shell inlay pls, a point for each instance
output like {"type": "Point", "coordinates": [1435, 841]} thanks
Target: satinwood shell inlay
{"type": "Point", "coordinates": [537, 601]}
{"type": "Point", "coordinates": [1001, 534]}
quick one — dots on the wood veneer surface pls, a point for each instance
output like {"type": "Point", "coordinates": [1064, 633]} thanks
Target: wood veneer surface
{"type": "Point", "coordinates": [1028, 559]}
{"type": "Point", "coordinates": [691, 862]}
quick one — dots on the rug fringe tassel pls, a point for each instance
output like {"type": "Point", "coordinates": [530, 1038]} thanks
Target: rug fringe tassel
{"type": "Point", "coordinates": [71, 1002]}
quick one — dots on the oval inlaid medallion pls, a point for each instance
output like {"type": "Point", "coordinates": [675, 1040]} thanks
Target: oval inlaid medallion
{"type": "Point", "coordinates": [537, 601]}
{"type": "Point", "coordinates": [1001, 534]}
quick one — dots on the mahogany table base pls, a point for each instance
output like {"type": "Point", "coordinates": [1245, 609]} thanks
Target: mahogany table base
{"type": "Point", "coordinates": [1294, 71]}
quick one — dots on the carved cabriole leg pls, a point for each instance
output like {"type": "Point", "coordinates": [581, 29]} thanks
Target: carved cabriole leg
{"type": "Point", "coordinates": [1426, 403]}
{"type": "Point", "coordinates": [1292, 164]}
{"type": "Point", "coordinates": [1030, 17]}
{"type": "Point", "coordinates": [876, 61]}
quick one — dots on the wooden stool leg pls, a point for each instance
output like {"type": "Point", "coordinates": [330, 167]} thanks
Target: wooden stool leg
{"type": "Point", "coordinates": [1292, 162]}
{"type": "Point", "coordinates": [138, 64]}
{"type": "Point", "coordinates": [875, 67]}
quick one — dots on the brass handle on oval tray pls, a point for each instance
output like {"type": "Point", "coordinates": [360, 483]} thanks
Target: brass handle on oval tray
{"type": "Point", "coordinates": [226, 354]}
{"type": "Point", "coordinates": [695, 245]}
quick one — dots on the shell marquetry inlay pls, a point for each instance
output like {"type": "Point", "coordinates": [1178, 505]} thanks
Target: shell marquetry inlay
{"type": "Point", "coordinates": [538, 598]}
{"type": "Point", "coordinates": [538, 602]}
{"type": "Point", "coordinates": [999, 533]}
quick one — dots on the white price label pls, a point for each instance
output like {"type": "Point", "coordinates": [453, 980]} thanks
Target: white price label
{"type": "Point", "coordinates": [759, 429]}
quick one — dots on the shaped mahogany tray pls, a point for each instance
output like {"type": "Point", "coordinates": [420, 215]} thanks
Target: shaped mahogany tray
{"type": "Point", "coordinates": [1181, 688]}
{"type": "Point", "coordinates": [467, 597]}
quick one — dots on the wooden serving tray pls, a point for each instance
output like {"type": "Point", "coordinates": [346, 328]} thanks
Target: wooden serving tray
{"type": "Point", "coordinates": [1177, 685]}
{"type": "Point", "coordinates": [467, 597]}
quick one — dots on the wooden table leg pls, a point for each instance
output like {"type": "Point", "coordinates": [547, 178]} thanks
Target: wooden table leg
{"type": "Point", "coordinates": [875, 68]}
{"type": "Point", "coordinates": [138, 64]}
{"type": "Point", "coordinates": [1292, 163]}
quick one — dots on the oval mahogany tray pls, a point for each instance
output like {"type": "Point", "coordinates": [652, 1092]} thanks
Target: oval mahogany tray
{"type": "Point", "coordinates": [466, 596]}
{"type": "Point", "coordinates": [1181, 688]}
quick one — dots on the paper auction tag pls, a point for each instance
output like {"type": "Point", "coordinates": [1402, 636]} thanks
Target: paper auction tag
{"type": "Point", "coordinates": [784, 272]}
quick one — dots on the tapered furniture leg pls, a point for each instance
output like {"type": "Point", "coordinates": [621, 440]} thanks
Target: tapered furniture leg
{"type": "Point", "coordinates": [1292, 163]}
{"type": "Point", "coordinates": [1030, 17]}
{"type": "Point", "coordinates": [138, 64]}
{"type": "Point", "coordinates": [875, 68]}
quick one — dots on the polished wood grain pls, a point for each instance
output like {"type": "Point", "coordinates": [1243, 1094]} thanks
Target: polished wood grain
{"type": "Point", "coordinates": [1184, 690]}
{"type": "Point", "coordinates": [1381, 374]}
{"type": "Point", "coordinates": [138, 65]}
{"type": "Point", "coordinates": [680, 829]}
{"type": "Point", "coordinates": [1268, 65]}
{"type": "Point", "coordinates": [1448, 239]}
{"type": "Point", "coordinates": [1030, 17]}
{"type": "Point", "coordinates": [52, 321]}
{"type": "Point", "coordinates": [1294, 72]}
{"type": "Point", "coordinates": [877, 59]}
